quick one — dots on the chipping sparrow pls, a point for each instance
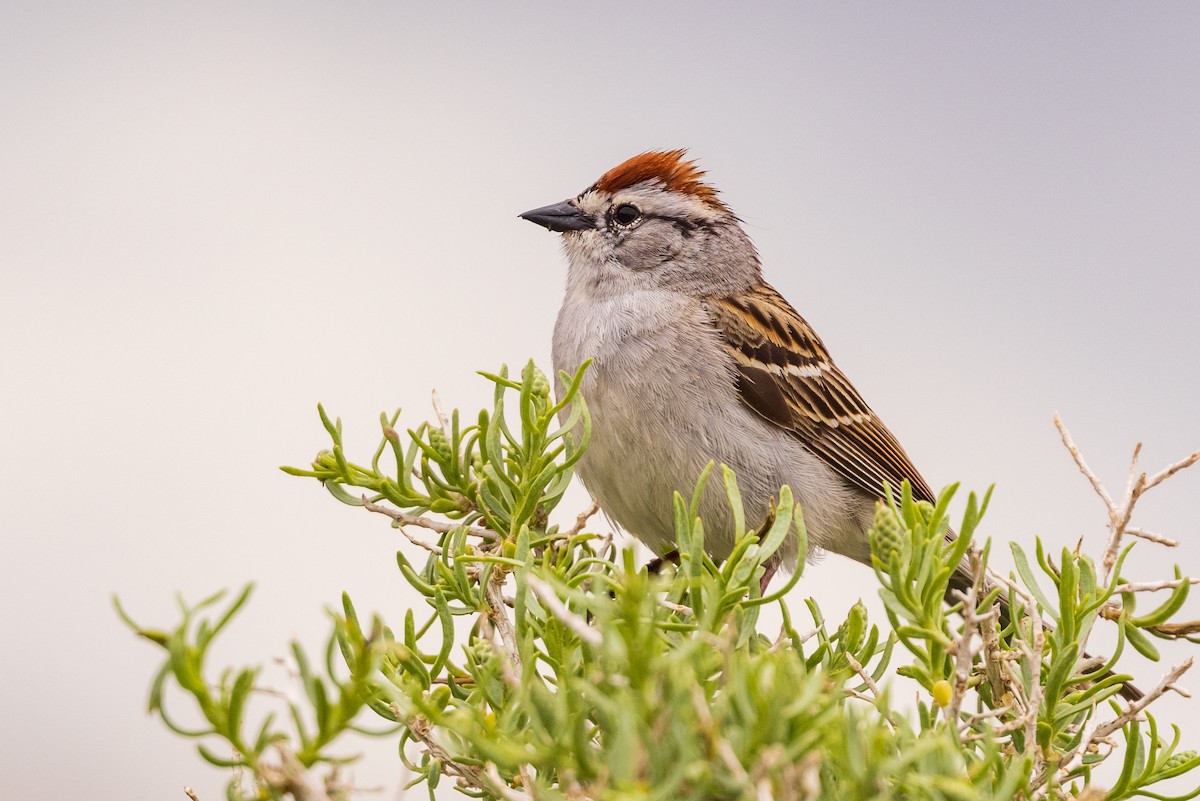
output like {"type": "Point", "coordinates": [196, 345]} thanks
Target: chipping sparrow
{"type": "Point", "coordinates": [697, 358]}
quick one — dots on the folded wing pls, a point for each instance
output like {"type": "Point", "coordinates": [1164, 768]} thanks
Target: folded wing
{"type": "Point", "coordinates": [784, 374]}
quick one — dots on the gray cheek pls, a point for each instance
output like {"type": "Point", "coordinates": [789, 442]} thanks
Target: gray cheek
{"type": "Point", "coordinates": [650, 246]}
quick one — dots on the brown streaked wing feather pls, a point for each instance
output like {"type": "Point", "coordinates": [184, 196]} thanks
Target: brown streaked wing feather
{"type": "Point", "coordinates": [785, 374]}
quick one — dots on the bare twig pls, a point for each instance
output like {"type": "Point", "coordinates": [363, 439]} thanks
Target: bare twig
{"type": "Point", "coordinates": [857, 696]}
{"type": "Point", "coordinates": [971, 721]}
{"type": "Point", "coordinates": [872, 699]}
{"type": "Point", "coordinates": [680, 608]}
{"type": "Point", "coordinates": [1121, 521]}
{"type": "Point", "coordinates": [582, 519]}
{"type": "Point", "coordinates": [863, 674]}
{"type": "Point", "coordinates": [1154, 586]}
{"type": "Point", "coordinates": [1118, 516]}
{"type": "Point", "coordinates": [1142, 534]}
{"type": "Point", "coordinates": [1015, 681]}
{"type": "Point", "coordinates": [565, 616]}
{"type": "Point", "coordinates": [989, 633]}
{"type": "Point", "coordinates": [469, 775]}
{"type": "Point", "coordinates": [964, 657]}
{"type": "Point", "coordinates": [497, 785]}
{"type": "Point", "coordinates": [509, 667]}
{"type": "Point", "coordinates": [968, 734]}
{"type": "Point", "coordinates": [1133, 471]}
{"type": "Point", "coordinates": [1171, 470]}
{"type": "Point", "coordinates": [1136, 485]}
{"type": "Point", "coordinates": [1177, 630]}
{"type": "Point", "coordinates": [784, 640]}
{"type": "Point", "coordinates": [429, 523]}
{"type": "Point", "coordinates": [497, 614]}
{"type": "Point", "coordinates": [292, 777]}
{"type": "Point", "coordinates": [1034, 655]}
{"type": "Point", "coordinates": [190, 793]}
{"type": "Point", "coordinates": [443, 420]}
{"type": "Point", "coordinates": [1073, 449]}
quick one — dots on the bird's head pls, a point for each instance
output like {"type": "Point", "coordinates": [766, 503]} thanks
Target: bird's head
{"type": "Point", "coordinates": [652, 222]}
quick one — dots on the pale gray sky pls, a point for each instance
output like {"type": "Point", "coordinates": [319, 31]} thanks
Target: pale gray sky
{"type": "Point", "coordinates": [213, 216]}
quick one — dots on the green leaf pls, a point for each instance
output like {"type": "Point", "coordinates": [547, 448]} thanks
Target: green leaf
{"type": "Point", "coordinates": [1140, 641]}
{"type": "Point", "coordinates": [1030, 581]}
{"type": "Point", "coordinates": [220, 762]}
{"type": "Point", "coordinates": [1169, 608]}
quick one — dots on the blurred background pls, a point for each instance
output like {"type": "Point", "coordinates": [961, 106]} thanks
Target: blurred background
{"type": "Point", "coordinates": [213, 216]}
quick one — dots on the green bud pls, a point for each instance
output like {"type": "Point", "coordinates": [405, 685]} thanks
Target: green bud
{"type": "Point", "coordinates": [541, 385]}
{"type": "Point", "coordinates": [443, 505]}
{"type": "Point", "coordinates": [853, 630]}
{"type": "Point", "coordinates": [439, 443]}
{"type": "Point", "coordinates": [886, 536]}
{"type": "Point", "coordinates": [1178, 760]}
{"type": "Point", "coordinates": [942, 692]}
{"type": "Point", "coordinates": [926, 510]}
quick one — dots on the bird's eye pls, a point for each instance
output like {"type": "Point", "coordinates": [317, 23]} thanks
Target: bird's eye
{"type": "Point", "coordinates": [626, 214]}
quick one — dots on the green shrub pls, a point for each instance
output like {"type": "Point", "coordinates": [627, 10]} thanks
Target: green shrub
{"type": "Point", "coordinates": [546, 663]}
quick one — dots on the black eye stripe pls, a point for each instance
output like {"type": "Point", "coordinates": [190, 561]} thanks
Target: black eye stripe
{"type": "Point", "coordinates": [627, 214]}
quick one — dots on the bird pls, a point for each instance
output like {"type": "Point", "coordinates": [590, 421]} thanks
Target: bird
{"type": "Point", "coordinates": [696, 358]}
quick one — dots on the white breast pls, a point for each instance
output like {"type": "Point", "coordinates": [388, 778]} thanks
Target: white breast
{"type": "Point", "coordinates": [663, 403]}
